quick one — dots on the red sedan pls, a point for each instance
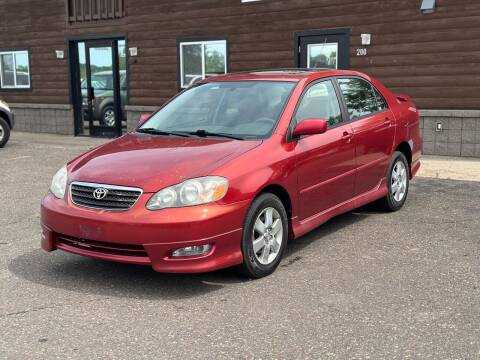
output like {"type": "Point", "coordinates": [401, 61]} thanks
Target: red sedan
{"type": "Point", "coordinates": [230, 170]}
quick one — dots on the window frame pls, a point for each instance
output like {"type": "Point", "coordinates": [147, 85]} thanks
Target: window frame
{"type": "Point", "coordinates": [341, 104]}
{"type": "Point", "coordinates": [350, 120]}
{"type": "Point", "coordinates": [383, 98]}
{"type": "Point", "coordinates": [199, 41]}
{"type": "Point", "coordinates": [13, 52]}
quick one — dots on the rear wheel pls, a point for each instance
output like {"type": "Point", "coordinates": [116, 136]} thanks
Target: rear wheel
{"type": "Point", "coordinates": [398, 181]}
{"type": "Point", "coordinates": [265, 236]}
{"type": "Point", "coordinates": [4, 132]}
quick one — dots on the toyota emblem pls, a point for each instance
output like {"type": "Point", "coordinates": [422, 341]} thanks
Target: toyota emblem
{"type": "Point", "coordinates": [100, 193]}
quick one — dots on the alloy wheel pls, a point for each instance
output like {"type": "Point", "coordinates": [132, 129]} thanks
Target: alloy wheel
{"type": "Point", "coordinates": [2, 133]}
{"type": "Point", "coordinates": [109, 117]}
{"type": "Point", "coordinates": [267, 236]}
{"type": "Point", "coordinates": [398, 185]}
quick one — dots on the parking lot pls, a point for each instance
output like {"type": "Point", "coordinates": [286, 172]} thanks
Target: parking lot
{"type": "Point", "coordinates": [365, 285]}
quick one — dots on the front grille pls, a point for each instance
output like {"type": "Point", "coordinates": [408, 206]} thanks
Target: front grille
{"type": "Point", "coordinates": [114, 197]}
{"type": "Point", "coordinates": [102, 247]}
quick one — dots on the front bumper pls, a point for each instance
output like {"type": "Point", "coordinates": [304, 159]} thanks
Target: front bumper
{"type": "Point", "coordinates": [12, 120]}
{"type": "Point", "coordinates": [140, 236]}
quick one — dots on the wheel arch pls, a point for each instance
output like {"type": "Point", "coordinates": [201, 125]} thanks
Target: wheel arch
{"type": "Point", "coordinates": [5, 116]}
{"type": "Point", "coordinates": [286, 200]}
{"type": "Point", "coordinates": [107, 102]}
{"type": "Point", "coordinates": [406, 150]}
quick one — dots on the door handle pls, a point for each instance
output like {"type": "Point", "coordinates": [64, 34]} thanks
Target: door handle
{"type": "Point", "coordinates": [347, 135]}
{"type": "Point", "coordinates": [387, 121]}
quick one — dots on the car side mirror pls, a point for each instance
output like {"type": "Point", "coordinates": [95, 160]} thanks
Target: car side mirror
{"type": "Point", "coordinates": [143, 118]}
{"type": "Point", "coordinates": [310, 127]}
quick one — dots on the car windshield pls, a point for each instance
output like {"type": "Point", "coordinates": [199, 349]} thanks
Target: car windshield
{"type": "Point", "coordinates": [246, 109]}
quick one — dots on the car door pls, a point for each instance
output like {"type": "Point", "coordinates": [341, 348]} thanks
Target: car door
{"type": "Point", "coordinates": [325, 162]}
{"type": "Point", "coordinates": [373, 130]}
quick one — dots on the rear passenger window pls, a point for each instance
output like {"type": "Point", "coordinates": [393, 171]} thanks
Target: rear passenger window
{"type": "Point", "coordinates": [359, 97]}
{"type": "Point", "coordinates": [320, 102]}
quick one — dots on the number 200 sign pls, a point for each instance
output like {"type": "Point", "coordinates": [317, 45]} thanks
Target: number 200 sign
{"type": "Point", "coordinates": [362, 52]}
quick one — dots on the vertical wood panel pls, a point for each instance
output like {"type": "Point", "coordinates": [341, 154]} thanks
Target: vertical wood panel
{"type": "Point", "coordinates": [96, 10]}
{"type": "Point", "coordinates": [88, 10]}
{"type": "Point", "coordinates": [79, 9]}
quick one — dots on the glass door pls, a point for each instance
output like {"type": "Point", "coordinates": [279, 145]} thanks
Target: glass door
{"type": "Point", "coordinates": [102, 88]}
{"type": "Point", "coordinates": [324, 49]}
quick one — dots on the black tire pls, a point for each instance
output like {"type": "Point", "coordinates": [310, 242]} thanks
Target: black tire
{"type": "Point", "coordinates": [389, 203]}
{"type": "Point", "coordinates": [251, 266]}
{"type": "Point", "coordinates": [5, 130]}
{"type": "Point", "coordinates": [107, 109]}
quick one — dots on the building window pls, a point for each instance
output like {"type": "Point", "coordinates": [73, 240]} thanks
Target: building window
{"type": "Point", "coordinates": [201, 59]}
{"type": "Point", "coordinates": [322, 55]}
{"type": "Point", "coordinates": [14, 70]}
{"type": "Point", "coordinates": [81, 11]}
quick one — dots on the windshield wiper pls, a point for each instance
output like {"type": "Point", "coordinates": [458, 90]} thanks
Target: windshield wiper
{"type": "Point", "coordinates": [205, 133]}
{"type": "Point", "coordinates": [154, 131]}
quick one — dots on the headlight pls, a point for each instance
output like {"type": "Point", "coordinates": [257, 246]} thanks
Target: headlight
{"type": "Point", "coordinates": [191, 192]}
{"type": "Point", "coordinates": [59, 183]}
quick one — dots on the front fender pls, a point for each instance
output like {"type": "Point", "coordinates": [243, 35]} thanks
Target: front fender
{"type": "Point", "coordinates": [270, 164]}
{"type": "Point", "coordinates": [8, 116]}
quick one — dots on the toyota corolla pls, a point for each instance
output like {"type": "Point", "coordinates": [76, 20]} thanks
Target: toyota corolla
{"type": "Point", "coordinates": [231, 169]}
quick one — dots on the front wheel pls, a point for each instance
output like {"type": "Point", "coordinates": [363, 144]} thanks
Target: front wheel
{"type": "Point", "coordinates": [398, 181]}
{"type": "Point", "coordinates": [265, 236]}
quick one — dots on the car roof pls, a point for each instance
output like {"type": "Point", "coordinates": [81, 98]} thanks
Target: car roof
{"type": "Point", "coordinates": [289, 74]}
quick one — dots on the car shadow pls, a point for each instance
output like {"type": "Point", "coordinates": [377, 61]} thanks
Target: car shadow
{"type": "Point", "coordinates": [90, 276]}
{"type": "Point", "coordinates": [81, 274]}
{"type": "Point", "coordinates": [322, 232]}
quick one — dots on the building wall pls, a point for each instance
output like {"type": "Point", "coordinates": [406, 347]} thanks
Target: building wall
{"type": "Point", "coordinates": [451, 133]}
{"type": "Point", "coordinates": [435, 58]}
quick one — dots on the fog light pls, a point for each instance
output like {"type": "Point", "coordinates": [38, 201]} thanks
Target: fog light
{"type": "Point", "coordinates": [192, 250]}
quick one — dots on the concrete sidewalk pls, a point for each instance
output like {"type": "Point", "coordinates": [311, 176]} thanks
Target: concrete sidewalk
{"type": "Point", "coordinates": [440, 167]}
{"type": "Point", "coordinates": [452, 168]}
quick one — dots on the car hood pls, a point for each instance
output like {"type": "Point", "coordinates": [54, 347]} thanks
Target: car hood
{"type": "Point", "coordinates": [154, 162]}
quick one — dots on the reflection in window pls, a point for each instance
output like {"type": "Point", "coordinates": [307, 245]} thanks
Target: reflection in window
{"type": "Point", "coordinates": [322, 56]}
{"type": "Point", "coordinates": [214, 59]}
{"type": "Point", "coordinates": [122, 65]}
{"type": "Point", "coordinates": [14, 69]}
{"type": "Point", "coordinates": [359, 97]}
{"type": "Point", "coordinates": [241, 108]}
{"type": "Point", "coordinates": [320, 102]}
{"type": "Point", "coordinates": [381, 103]}
{"type": "Point", "coordinates": [202, 59]}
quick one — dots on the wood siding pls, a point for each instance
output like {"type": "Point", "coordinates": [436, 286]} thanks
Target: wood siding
{"type": "Point", "coordinates": [90, 10]}
{"type": "Point", "coordinates": [435, 58]}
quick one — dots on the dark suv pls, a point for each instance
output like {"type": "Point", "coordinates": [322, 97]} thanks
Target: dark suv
{"type": "Point", "coordinates": [6, 123]}
{"type": "Point", "coordinates": [103, 102]}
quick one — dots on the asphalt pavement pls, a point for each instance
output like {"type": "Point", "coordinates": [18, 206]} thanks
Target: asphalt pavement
{"type": "Point", "coordinates": [365, 285]}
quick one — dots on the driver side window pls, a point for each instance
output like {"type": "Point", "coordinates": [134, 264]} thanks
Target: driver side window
{"type": "Point", "coordinates": [320, 102]}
